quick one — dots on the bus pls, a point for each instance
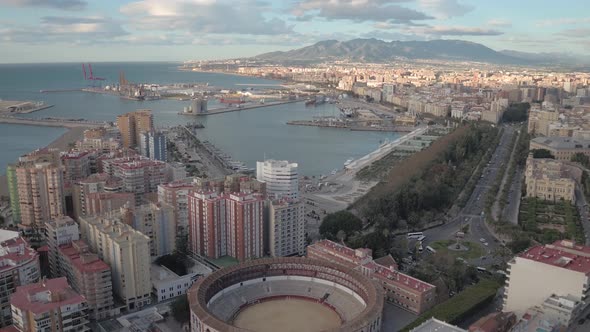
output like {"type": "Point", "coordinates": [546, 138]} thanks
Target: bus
{"type": "Point", "coordinates": [431, 249]}
{"type": "Point", "coordinates": [421, 238]}
{"type": "Point", "coordinates": [415, 235]}
{"type": "Point", "coordinates": [482, 269]}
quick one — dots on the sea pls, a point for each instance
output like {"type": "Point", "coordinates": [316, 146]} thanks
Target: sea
{"type": "Point", "coordinates": [247, 136]}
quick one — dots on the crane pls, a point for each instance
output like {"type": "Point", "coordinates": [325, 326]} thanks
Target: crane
{"type": "Point", "coordinates": [88, 75]}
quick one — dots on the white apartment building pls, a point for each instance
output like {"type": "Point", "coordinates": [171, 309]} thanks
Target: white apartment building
{"type": "Point", "coordinates": [286, 228]}
{"type": "Point", "coordinates": [166, 284]}
{"type": "Point", "coordinates": [281, 178]}
{"type": "Point", "coordinates": [559, 269]}
{"type": "Point", "coordinates": [127, 252]}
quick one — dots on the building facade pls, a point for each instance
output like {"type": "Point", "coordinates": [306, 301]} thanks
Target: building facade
{"type": "Point", "coordinates": [153, 145]}
{"type": "Point", "coordinates": [281, 178]}
{"type": "Point", "coordinates": [400, 289]}
{"type": "Point", "coordinates": [19, 265]}
{"type": "Point", "coordinates": [58, 232]}
{"type": "Point", "coordinates": [49, 305]}
{"type": "Point", "coordinates": [132, 124]}
{"type": "Point", "coordinates": [89, 276]}
{"type": "Point", "coordinates": [286, 229]}
{"type": "Point", "coordinates": [226, 224]}
{"type": "Point", "coordinates": [562, 148]}
{"type": "Point", "coordinates": [551, 180]}
{"type": "Point", "coordinates": [561, 269]}
{"type": "Point", "coordinates": [127, 252]}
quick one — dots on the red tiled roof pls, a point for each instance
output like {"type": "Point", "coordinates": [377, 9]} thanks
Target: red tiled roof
{"type": "Point", "coordinates": [63, 294]}
{"type": "Point", "coordinates": [563, 254]}
{"type": "Point", "coordinates": [77, 261]}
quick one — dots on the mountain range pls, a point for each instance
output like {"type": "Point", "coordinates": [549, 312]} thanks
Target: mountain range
{"type": "Point", "coordinates": [378, 51]}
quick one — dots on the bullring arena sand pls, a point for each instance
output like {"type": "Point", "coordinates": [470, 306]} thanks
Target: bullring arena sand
{"type": "Point", "coordinates": [287, 315]}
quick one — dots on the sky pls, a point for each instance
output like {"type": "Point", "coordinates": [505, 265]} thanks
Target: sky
{"type": "Point", "coordinates": [179, 30]}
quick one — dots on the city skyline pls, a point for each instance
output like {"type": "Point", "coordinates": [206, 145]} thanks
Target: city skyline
{"type": "Point", "coordinates": [40, 31]}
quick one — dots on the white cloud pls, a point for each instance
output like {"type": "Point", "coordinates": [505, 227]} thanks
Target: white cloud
{"type": "Point", "coordinates": [59, 4]}
{"type": "Point", "coordinates": [204, 16]}
{"type": "Point", "coordinates": [445, 8]}
{"type": "Point", "coordinates": [440, 30]}
{"type": "Point", "coordinates": [499, 23]}
{"type": "Point", "coordinates": [357, 10]}
{"type": "Point", "coordinates": [562, 21]}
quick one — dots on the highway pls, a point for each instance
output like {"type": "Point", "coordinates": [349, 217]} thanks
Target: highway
{"type": "Point", "coordinates": [472, 213]}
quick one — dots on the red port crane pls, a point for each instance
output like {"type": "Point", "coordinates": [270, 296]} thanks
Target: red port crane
{"type": "Point", "coordinates": [90, 76]}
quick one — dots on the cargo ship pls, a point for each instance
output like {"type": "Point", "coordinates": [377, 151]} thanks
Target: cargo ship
{"type": "Point", "coordinates": [232, 99]}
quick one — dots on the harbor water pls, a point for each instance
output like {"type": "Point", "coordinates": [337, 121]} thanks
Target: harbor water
{"type": "Point", "coordinates": [247, 135]}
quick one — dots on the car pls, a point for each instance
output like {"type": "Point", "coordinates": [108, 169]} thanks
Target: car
{"type": "Point", "coordinates": [581, 321]}
{"type": "Point", "coordinates": [483, 258]}
{"type": "Point", "coordinates": [485, 244]}
{"type": "Point", "coordinates": [482, 240]}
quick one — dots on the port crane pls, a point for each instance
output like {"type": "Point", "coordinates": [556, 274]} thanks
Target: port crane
{"type": "Point", "coordinates": [89, 76]}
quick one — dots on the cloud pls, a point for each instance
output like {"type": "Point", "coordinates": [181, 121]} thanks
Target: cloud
{"type": "Point", "coordinates": [392, 35]}
{"type": "Point", "coordinates": [575, 33]}
{"type": "Point", "coordinates": [445, 8]}
{"type": "Point", "coordinates": [205, 16]}
{"type": "Point", "coordinates": [65, 29]}
{"type": "Point", "coordinates": [499, 23]}
{"type": "Point", "coordinates": [59, 4]}
{"type": "Point", "coordinates": [357, 10]}
{"type": "Point", "coordinates": [439, 30]}
{"type": "Point", "coordinates": [562, 21]}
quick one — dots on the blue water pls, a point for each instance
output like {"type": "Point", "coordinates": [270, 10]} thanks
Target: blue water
{"type": "Point", "coordinates": [247, 135]}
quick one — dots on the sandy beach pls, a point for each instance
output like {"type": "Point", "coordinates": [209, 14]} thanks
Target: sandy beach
{"type": "Point", "coordinates": [61, 143]}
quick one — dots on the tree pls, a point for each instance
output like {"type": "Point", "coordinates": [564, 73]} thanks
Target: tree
{"type": "Point", "coordinates": [581, 158]}
{"type": "Point", "coordinates": [542, 153]}
{"type": "Point", "coordinates": [344, 221]}
{"type": "Point", "coordinates": [180, 309]}
{"type": "Point", "coordinates": [516, 112]}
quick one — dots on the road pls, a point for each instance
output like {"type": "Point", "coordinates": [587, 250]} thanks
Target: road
{"type": "Point", "coordinates": [510, 212]}
{"type": "Point", "coordinates": [472, 213]}
{"type": "Point", "coordinates": [583, 209]}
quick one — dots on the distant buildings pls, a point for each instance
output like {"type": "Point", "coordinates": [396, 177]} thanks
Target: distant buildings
{"type": "Point", "coordinates": [540, 118]}
{"type": "Point", "coordinates": [127, 252]}
{"type": "Point", "coordinates": [286, 228]}
{"type": "Point", "coordinates": [139, 176]}
{"type": "Point", "coordinates": [19, 266]}
{"type": "Point", "coordinates": [132, 124]}
{"type": "Point", "coordinates": [175, 194]}
{"type": "Point", "coordinates": [49, 305]}
{"type": "Point", "coordinates": [400, 289]}
{"type": "Point", "coordinates": [547, 276]}
{"type": "Point", "coordinates": [226, 224]}
{"type": "Point", "coordinates": [281, 178]}
{"type": "Point", "coordinates": [153, 145]}
{"type": "Point", "coordinates": [551, 179]}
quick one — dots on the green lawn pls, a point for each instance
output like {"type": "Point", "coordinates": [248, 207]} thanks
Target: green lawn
{"type": "Point", "coordinates": [225, 261]}
{"type": "Point", "coordinates": [475, 250]}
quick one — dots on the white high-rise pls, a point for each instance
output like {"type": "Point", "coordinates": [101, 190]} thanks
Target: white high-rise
{"type": "Point", "coordinates": [281, 178]}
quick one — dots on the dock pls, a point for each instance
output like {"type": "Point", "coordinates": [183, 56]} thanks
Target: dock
{"type": "Point", "coordinates": [51, 122]}
{"type": "Point", "coordinates": [348, 126]}
{"type": "Point", "coordinates": [242, 108]}
{"type": "Point", "coordinates": [9, 107]}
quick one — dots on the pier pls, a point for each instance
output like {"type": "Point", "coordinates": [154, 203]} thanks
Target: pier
{"type": "Point", "coordinates": [51, 122]}
{"type": "Point", "coordinates": [242, 107]}
{"type": "Point", "coordinates": [350, 125]}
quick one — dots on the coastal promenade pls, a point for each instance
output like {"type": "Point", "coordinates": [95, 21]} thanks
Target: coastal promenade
{"type": "Point", "coordinates": [51, 122]}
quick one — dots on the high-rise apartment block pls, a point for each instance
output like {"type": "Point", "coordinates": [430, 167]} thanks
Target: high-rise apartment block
{"type": "Point", "coordinates": [175, 194]}
{"type": "Point", "coordinates": [19, 265]}
{"type": "Point", "coordinates": [77, 165]}
{"type": "Point", "coordinates": [36, 184]}
{"type": "Point", "coordinates": [127, 252]}
{"type": "Point", "coordinates": [228, 224]}
{"type": "Point", "coordinates": [281, 178]}
{"type": "Point", "coordinates": [156, 221]}
{"type": "Point", "coordinates": [286, 230]}
{"type": "Point", "coordinates": [543, 272]}
{"type": "Point", "coordinates": [400, 289]}
{"type": "Point", "coordinates": [58, 232]}
{"type": "Point", "coordinates": [49, 305]}
{"type": "Point", "coordinates": [132, 124]}
{"type": "Point", "coordinates": [95, 183]}
{"type": "Point", "coordinates": [89, 276]}
{"type": "Point", "coordinates": [153, 145]}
